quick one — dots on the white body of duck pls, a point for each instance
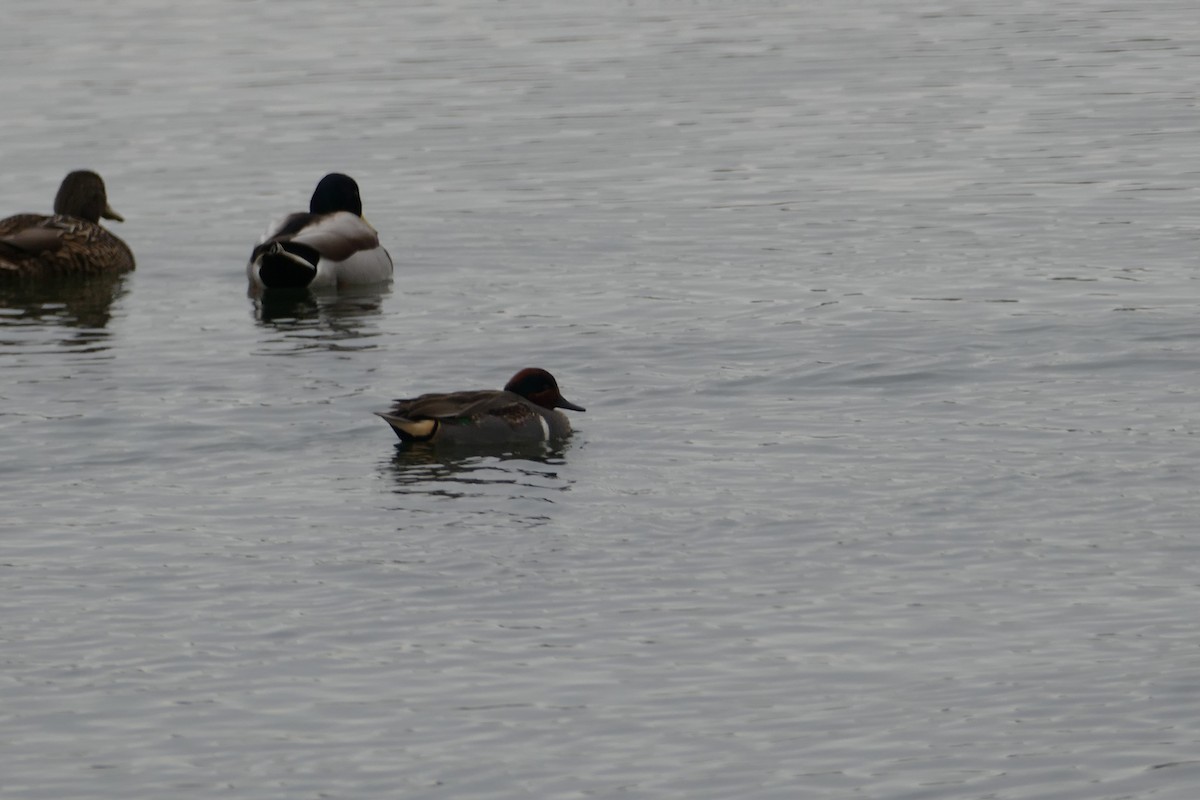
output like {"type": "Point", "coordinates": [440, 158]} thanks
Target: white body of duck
{"type": "Point", "coordinates": [328, 246]}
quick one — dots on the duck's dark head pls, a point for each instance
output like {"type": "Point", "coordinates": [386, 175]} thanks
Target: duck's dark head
{"type": "Point", "coordinates": [336, 192]}
{"type": "Point", "coordinates": [538, 386]}
{"type": "Point", "coordinates": [82, 196]}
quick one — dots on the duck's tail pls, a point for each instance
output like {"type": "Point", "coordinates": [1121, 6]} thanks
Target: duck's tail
{"type": "Point", "coordinates": [411, 430]}
{"type": "Point", "coordinates": [284, 265]}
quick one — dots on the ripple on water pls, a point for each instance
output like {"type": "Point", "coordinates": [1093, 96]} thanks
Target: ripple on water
{"type": "Point", "coordinates": [883, 320]}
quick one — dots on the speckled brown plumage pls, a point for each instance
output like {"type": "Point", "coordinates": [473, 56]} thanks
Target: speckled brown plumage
{"type": "Point", "coordinates": [69, 242]}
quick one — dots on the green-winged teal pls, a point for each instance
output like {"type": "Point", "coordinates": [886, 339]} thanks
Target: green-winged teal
{"type": "Point", "coordinates": [525, 410]}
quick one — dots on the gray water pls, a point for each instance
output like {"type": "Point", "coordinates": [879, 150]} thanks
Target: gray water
{"type": "Point", "coordinates": [884, 316]}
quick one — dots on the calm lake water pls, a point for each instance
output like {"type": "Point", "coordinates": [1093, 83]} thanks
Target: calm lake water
{"type": "Point", "coordinates": [884, 316]}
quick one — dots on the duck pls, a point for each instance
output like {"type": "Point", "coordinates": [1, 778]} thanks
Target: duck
{"type": "Point", "coordinates": [328, 246]}
{"type": "Point", "coordinates": [525, 410]}
{"type": "Point", "coordinates": [70, 242]}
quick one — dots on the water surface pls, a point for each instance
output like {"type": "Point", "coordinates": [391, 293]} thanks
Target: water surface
{"type": "Point", "coordinates": [883, 318]}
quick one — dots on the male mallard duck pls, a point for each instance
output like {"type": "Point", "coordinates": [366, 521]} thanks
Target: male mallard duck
{"type": "Point", "coordinates": [523, 411]}
{"type": "Point", "coordinates": [329, 245]}
{"type": "Point", "coordinates": [71, 242]}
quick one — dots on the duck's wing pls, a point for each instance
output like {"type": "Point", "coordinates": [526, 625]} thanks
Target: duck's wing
{"type": "Point", "coordinates": [335, 236]}
{"type": "Point", "coordinates": [475, 417]}
{"type": "Point", "coordinates": [19, 222]}
{"type": "Point", "coordinates": [450, 405]}
{"type": "Point", "coordinates": [421, 419]}
{"type": "Point", "coordinates": [33, 240]}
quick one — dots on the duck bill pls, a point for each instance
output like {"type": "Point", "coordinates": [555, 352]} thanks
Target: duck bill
{"type": "Point", "coordinates": [108, 213]}
{"type": "Point", "coordinates": [565, 403]}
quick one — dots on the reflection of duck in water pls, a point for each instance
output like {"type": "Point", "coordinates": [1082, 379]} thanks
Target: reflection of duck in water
{"type": "Point", "coordinates": [331, 245]}
{"type": "Point", "coordinates": [72, 302]}
{"type": "Point", "coordinates": [518, 480]}
{"type": "Point", "coordinates": [531, 470]}
{"type": "Point", "coordinates": [525, 410]}
{"type": "Point", "coordinates": [71, 242]}
{"type": "Point", "coordinates": [298, 320]}
{"type": "Point", "coordinates": [421, 462]}
{"type": "Point", "coordinates": [304, 308]}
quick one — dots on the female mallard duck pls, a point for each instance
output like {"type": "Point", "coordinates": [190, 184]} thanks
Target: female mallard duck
{"type": "Point", "coordinates": [71, 242]}
{"type": "Point", "coordinates": [331, 245]}
{"type": "Point", "coordinates": [524, 411]}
